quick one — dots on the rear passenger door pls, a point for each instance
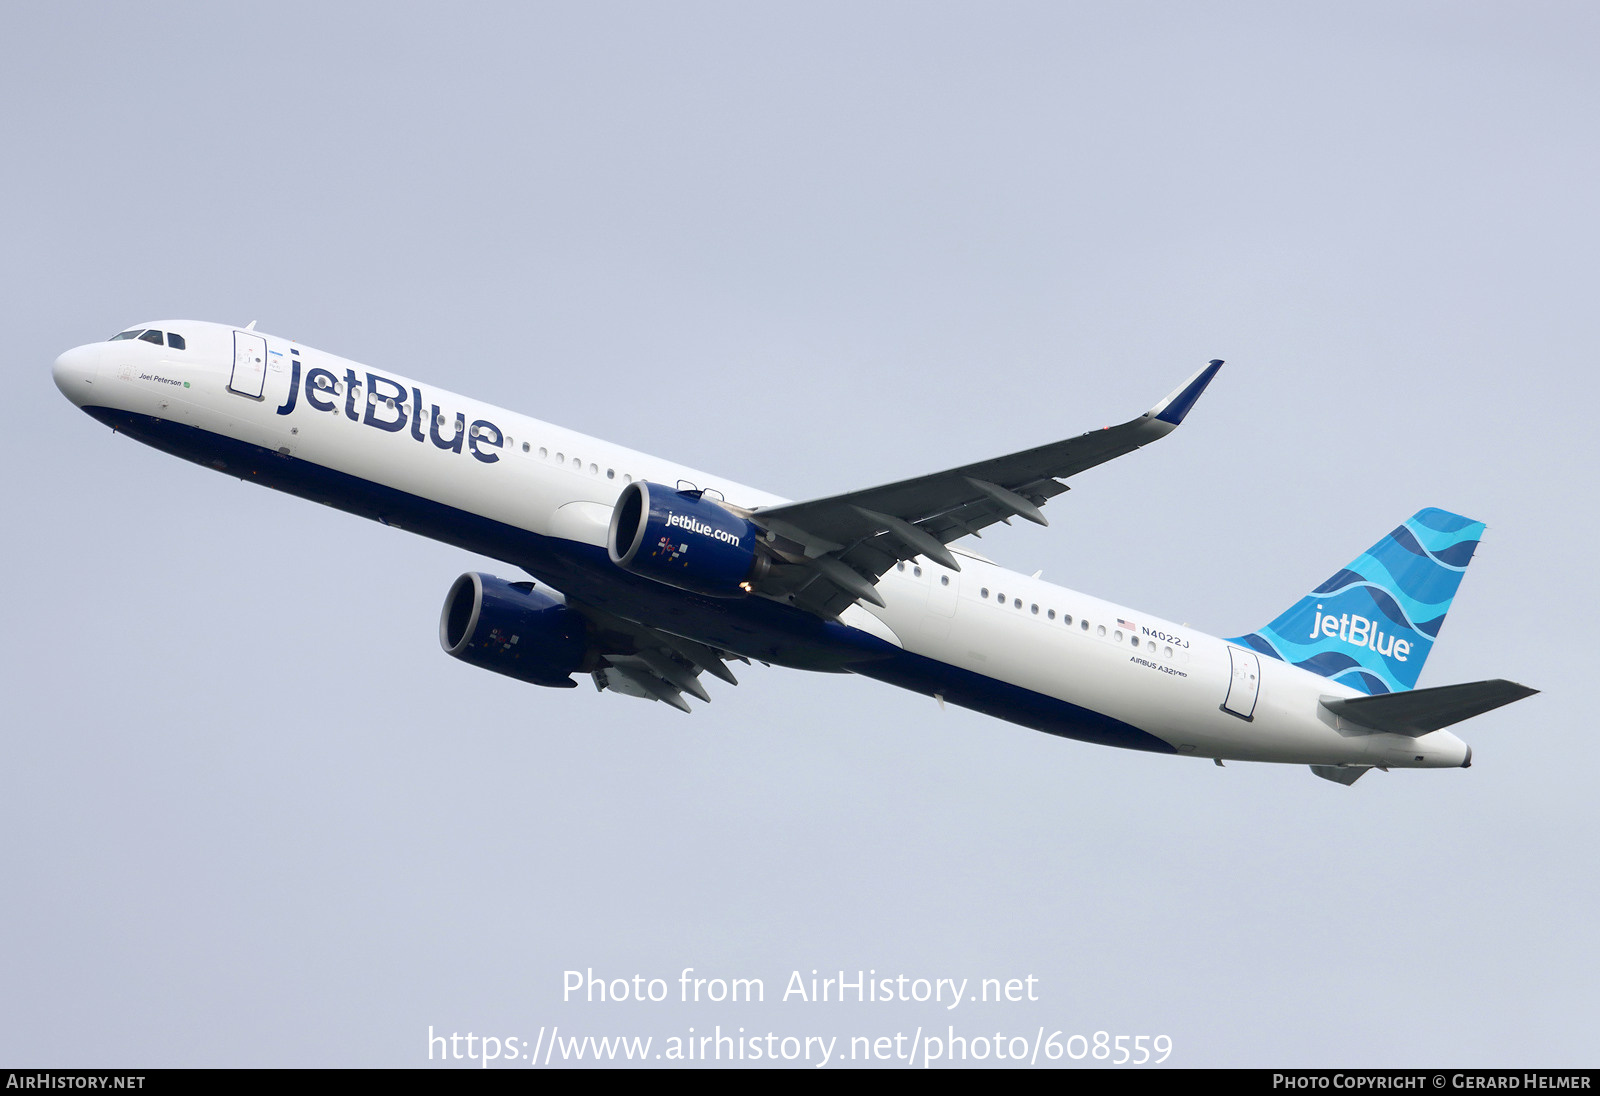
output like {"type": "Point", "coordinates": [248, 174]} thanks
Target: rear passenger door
{"type": "Point", "coordinates": [1245, 686]}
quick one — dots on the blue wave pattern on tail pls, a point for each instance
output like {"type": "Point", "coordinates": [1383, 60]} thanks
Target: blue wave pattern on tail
{"type": "Point", "coordinates": [1373, 623]}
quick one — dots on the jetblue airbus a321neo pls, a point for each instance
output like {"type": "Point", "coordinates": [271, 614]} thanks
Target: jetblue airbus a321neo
{"type": "Point", "coordinates": [651, 575]}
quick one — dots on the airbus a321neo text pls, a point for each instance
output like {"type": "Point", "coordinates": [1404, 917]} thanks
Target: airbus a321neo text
{"type": "Point", "coordinates": [652, 577]}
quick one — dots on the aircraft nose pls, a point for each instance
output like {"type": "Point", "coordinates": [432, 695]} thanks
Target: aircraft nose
{"type": "Point", "coordinates": [75, 371]}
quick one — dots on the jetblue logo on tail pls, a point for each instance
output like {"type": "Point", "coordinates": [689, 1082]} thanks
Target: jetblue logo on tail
{"type": "Point", "coordinates": [1361, 632]}
{"type": "Point", "coordinates": [1373, 623]}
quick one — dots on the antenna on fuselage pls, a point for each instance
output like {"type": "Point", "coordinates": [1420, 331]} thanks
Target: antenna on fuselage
{"type": "Point", "coordinates": [251, 326]}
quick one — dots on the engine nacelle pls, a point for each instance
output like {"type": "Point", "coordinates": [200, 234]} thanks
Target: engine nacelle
{"type": "Point", "coordinates": [513, 629]}
{"type": "Point", "coordinates": [684, 540]}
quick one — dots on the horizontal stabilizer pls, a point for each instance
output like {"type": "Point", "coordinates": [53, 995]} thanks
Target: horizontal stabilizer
{"type": "Point", "coordinates": [1421, 711]}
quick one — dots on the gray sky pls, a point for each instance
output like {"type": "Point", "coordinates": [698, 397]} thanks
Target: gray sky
{"type": "Point", "coordinates": [253, 815]}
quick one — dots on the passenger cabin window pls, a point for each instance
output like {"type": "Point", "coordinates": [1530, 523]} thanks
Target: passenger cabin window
{"type": "Point", "coordinates": [152, 337]}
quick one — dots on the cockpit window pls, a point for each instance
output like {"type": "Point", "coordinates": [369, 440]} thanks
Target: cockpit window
{"type": "Point", "coordinates": [173, 339]}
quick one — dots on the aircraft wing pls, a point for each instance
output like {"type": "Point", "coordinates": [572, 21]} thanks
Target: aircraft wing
{"type": "Point", "coordinates": [839, 546]}
{"type": "Point", "coordinates": [652, 664]}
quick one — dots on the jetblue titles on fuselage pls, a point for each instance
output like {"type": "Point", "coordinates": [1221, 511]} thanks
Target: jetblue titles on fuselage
{"type": "Point", "coordinates": [387, 410]}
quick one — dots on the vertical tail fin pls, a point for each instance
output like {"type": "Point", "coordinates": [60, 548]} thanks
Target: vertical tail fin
{"type": "Point", "coordinates": [1372, 624]}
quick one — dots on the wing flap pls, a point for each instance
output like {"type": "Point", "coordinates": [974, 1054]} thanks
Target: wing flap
{"type": "Point", "coordinates": [651, 664]}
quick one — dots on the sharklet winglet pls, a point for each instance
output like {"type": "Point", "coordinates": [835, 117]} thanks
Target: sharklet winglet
{"type": "Point", "coordinates": [1176, 406]}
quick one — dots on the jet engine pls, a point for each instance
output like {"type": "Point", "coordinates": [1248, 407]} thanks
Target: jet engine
{"type": "Point", "coordinates": [685, 540]}
{"type": "Point", "coordinates": [513, 629]}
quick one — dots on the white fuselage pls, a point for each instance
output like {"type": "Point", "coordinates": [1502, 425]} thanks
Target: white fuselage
{"type": "Point", "coordinates": [1199, 694]}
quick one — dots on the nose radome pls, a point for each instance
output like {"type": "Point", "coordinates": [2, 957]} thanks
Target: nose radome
{"type": "Point", "coordinates": [75, 372]}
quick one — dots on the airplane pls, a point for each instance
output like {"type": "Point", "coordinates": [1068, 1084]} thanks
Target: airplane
{"type": "Point", "coordinates": [651, 577]}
